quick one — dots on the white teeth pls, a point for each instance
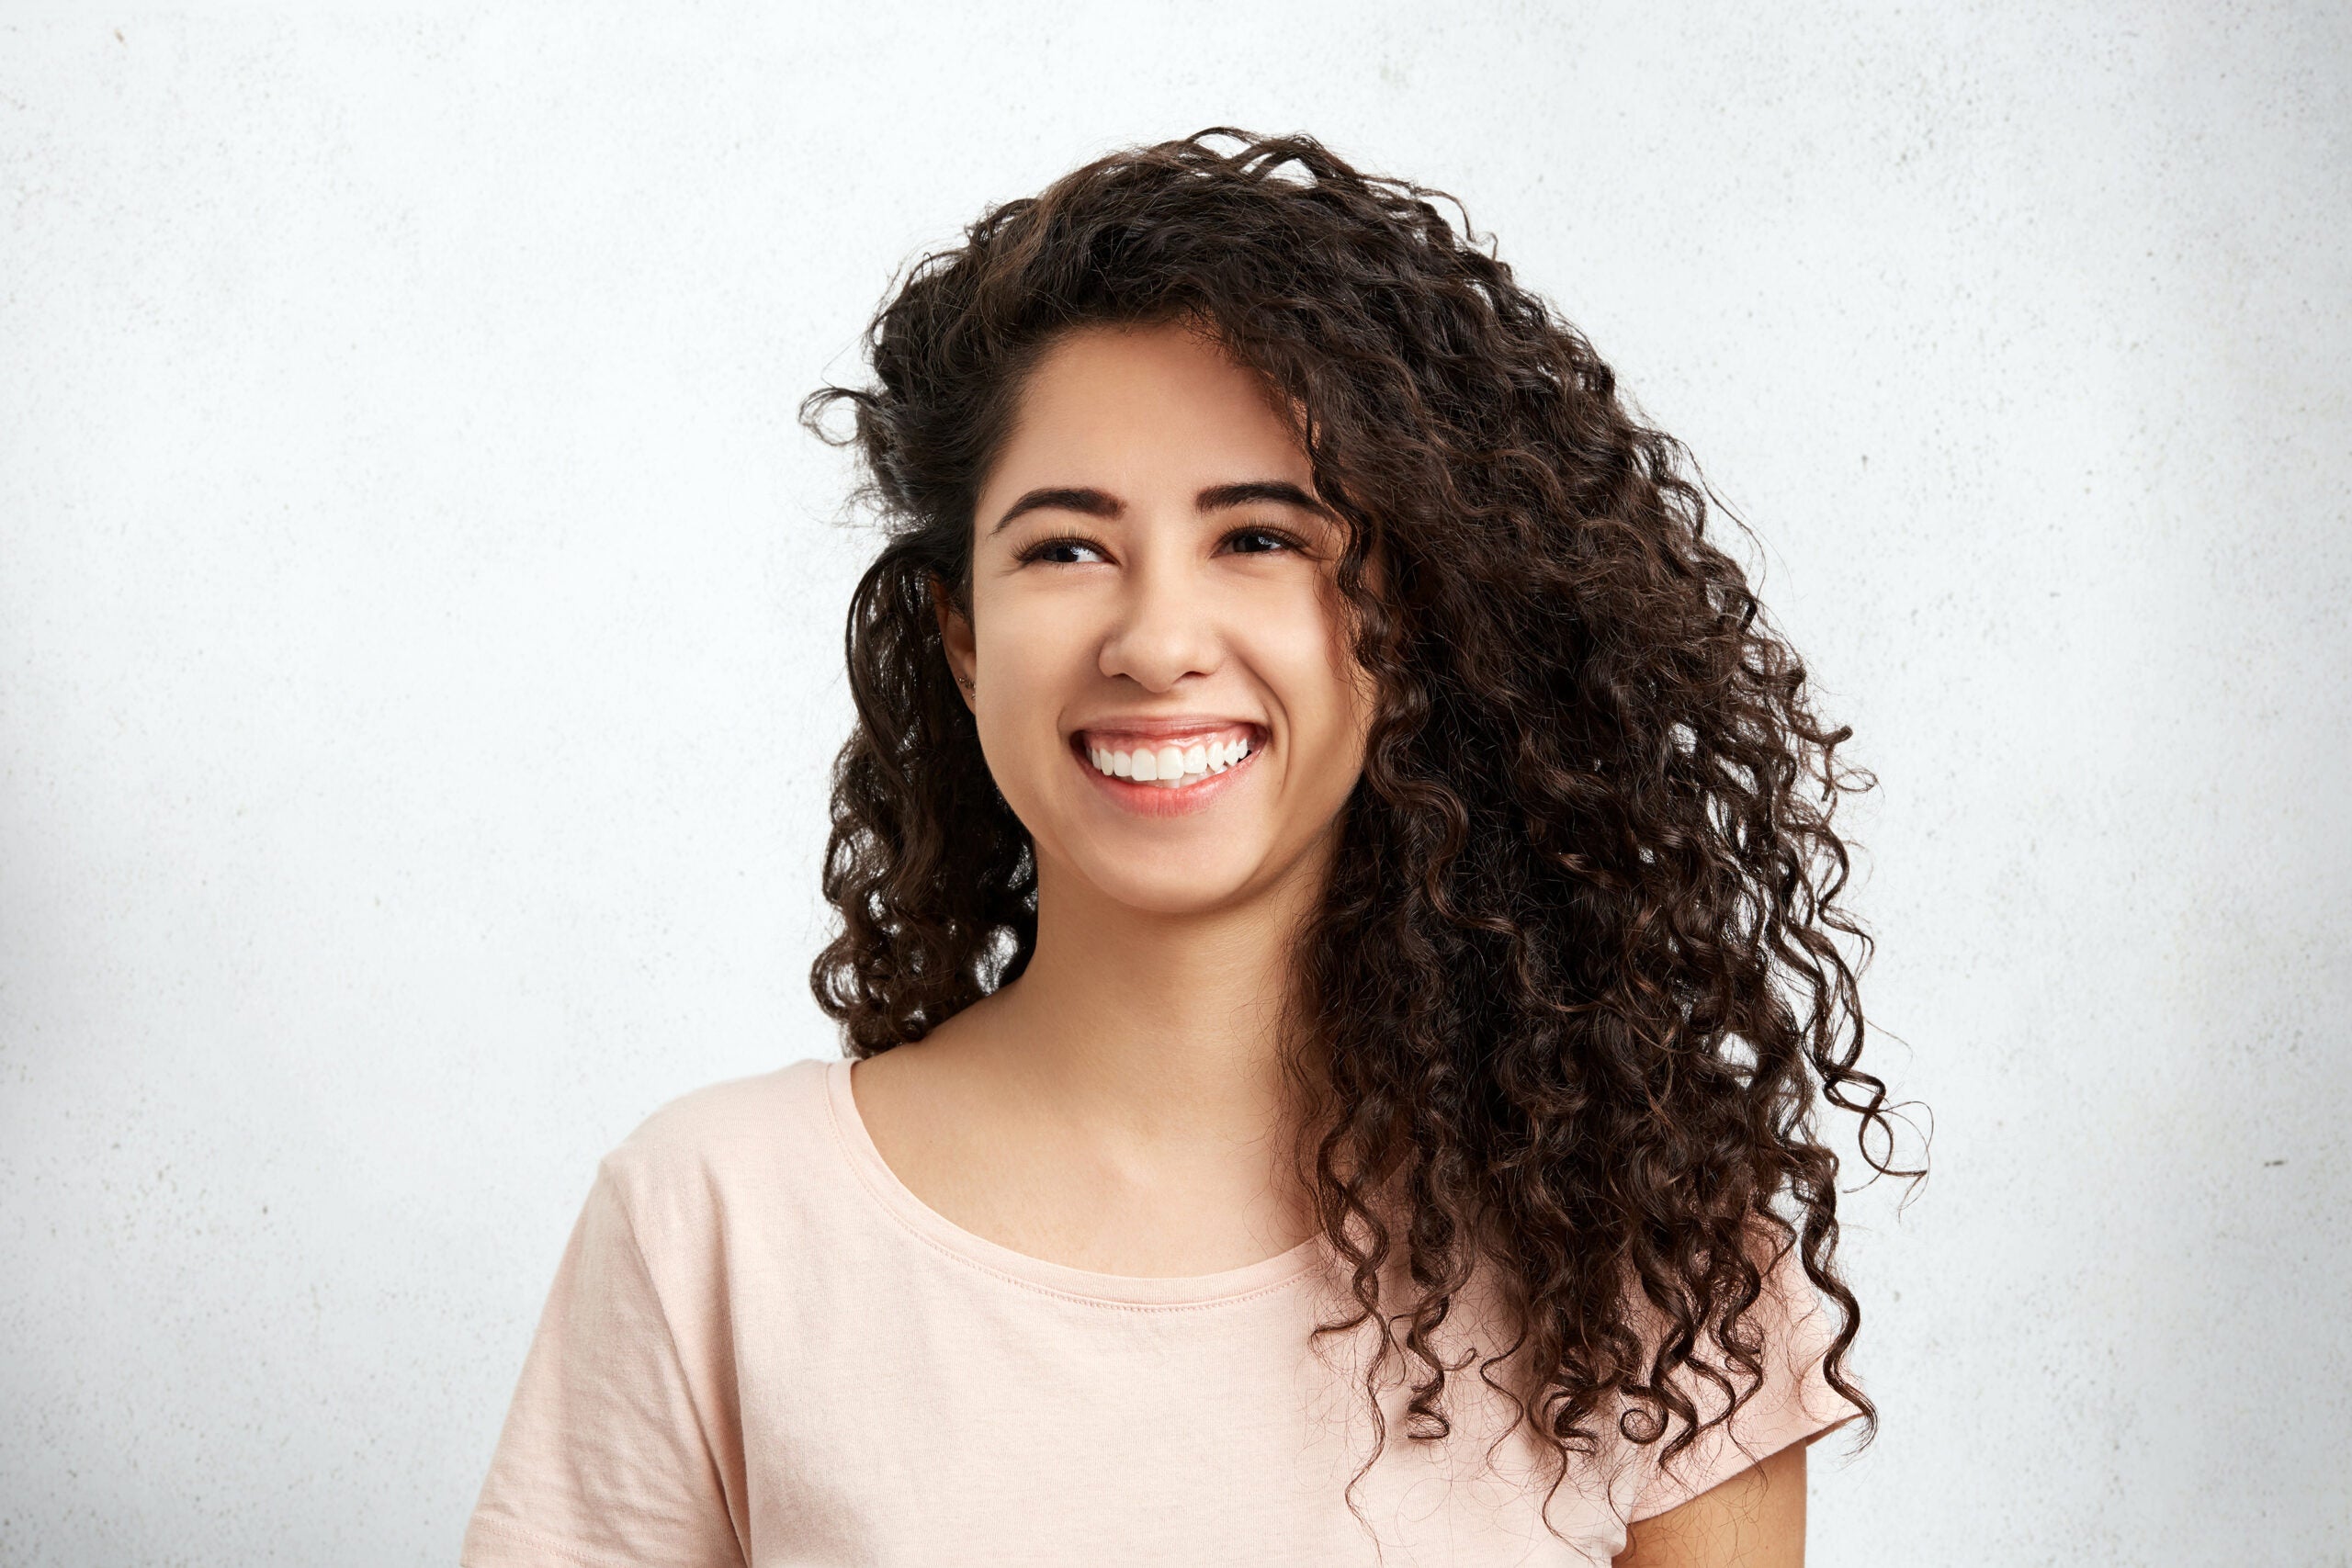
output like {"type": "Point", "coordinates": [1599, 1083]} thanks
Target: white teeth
{"type": "Point", "coordinates": [1171, 764]}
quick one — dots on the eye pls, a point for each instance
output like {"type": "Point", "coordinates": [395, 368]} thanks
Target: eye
{"type": "Point", "coordinates": [1259, 541]}
{"type": "Point", "coordinates": [1057, 550]}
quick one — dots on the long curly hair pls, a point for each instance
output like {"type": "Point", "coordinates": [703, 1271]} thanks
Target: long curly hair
{"type": "Point", "coordinates": [1575, 993]}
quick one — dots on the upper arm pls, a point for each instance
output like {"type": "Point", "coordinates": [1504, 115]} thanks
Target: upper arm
{"type": "Point", "coordinates": [1754, 1520]}
{"type": "Point", "coordinates": [607, 1454]}
{"type": "Point", "coordinates": [1716, 1504]}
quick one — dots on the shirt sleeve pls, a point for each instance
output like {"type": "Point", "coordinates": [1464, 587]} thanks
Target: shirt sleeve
{"type": "Point", "coordinates": [1792, 1404]}
{"type": "Point", "coordinates": [605, 1460]}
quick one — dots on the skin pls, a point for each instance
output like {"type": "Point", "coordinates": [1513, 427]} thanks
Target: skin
{"type": "Point", "coordinates": [1120, 1107]}
{"type": "Point", "coordinates": [1756, 1520]}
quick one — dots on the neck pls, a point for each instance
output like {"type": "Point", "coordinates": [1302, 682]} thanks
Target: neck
{"type": "Point", "coordinates": [1159, 1030]}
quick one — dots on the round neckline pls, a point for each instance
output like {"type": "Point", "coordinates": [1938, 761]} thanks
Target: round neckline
{"type": "Point", "coordinates": [1060, 1279]}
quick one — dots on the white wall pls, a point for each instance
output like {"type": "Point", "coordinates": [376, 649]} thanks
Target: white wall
{"type": "Point", "coordinates": [419, 627]}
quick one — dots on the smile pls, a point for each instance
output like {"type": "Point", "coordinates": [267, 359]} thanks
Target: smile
{"type": "Point", "coordinates": [1171, 775]}
{"type": "Point", "coordinates": [1171, 763]}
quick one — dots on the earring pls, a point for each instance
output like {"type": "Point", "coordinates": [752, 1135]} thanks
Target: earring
{"type": "Point", "coordinates": [970, 688]}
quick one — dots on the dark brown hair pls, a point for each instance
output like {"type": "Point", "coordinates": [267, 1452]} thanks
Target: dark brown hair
{"type": "Point", "coordinates": [1574, 993]}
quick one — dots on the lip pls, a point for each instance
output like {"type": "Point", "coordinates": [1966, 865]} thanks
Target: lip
{"type": "Point", "coordinates": [1175, 727]}
{"type": "Point", "coordinates": [1152, 800]}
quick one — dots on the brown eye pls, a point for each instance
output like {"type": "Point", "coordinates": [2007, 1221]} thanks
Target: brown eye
{"type": "Point", "coordinates": [1261, 541]}
{"type": "Point", "coordinates": [1060, 550]}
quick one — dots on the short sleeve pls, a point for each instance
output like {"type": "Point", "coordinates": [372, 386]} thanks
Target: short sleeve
{"type": "Point", "coordinates": [1792, 1404]}
{"type": "Point", "coordinates": [605, 1460]}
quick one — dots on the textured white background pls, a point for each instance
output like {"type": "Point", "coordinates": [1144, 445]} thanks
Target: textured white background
{"type": "Point", "coordinates": [419, 627]}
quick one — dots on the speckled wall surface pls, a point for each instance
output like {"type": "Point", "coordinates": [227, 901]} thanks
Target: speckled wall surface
{"type": "Point", "coordinates": [419, 661]}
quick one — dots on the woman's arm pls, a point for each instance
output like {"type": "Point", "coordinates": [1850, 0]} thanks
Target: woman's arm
{"type": "Point", "coordinates": [1756, 1520]}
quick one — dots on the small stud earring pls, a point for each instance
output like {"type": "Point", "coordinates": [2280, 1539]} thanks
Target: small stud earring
{"type": "Point", "coordinates": [970, 688]}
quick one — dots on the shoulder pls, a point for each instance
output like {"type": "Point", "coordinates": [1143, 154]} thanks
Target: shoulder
{"type": "Point", "coordinates": [730, 1118]}
{"type": "Point", "coordinates": [756, 1143]}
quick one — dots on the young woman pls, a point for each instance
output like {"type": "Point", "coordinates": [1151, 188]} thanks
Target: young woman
{"type": "Point", "coordinates": [1336, 961]}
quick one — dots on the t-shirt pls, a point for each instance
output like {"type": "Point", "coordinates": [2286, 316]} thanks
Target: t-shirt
{"type": "Point", "coordinates": [761, 1349]}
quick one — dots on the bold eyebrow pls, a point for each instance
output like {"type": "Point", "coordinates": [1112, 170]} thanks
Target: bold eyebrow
{"type": "Point", "coordinates": [1092, 502]}
{"type": "Point", "coordinates": [1216, 498]}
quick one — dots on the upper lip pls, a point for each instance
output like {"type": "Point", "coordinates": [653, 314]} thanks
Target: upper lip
{"type": "Point", "coordinates": [1173, 727]}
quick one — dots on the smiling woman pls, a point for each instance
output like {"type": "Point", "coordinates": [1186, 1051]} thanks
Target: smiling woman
{"type": "Point", "coordinates": [1152, 580]}
{"type": "Point", "coordinates": [1336, 963]}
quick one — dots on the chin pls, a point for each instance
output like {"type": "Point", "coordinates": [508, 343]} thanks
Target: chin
{"type": "Point", "coordinates": [1177, 889]}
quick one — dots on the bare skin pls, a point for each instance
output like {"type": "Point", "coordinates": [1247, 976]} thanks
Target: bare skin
{"type": "Point", "coordinates": [1756, 1520]}
{"type": "Point", "coordinates": [1120, 1107]}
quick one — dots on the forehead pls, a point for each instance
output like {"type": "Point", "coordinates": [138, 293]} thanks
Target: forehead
{"type": "Point", "coordinates": [1134, 406]}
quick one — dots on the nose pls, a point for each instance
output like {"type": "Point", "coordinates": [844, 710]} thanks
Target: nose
{"type": "Point", "coordinates": [1166, 627]}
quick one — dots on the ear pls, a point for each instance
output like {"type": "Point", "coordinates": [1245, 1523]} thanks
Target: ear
{"type": "Point", "coordinates": [955, 633]}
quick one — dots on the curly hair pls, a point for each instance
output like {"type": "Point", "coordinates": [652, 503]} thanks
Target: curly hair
{"type": "Point", "coordinates": [1574, 991]}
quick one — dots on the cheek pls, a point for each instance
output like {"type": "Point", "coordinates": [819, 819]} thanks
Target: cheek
{"type": "Point", "coordinates": [1030, 664]}
{"type": "Point", "coordinates": [1032, 649]}
{"type": "Point", "coordinates": [1315, 674]}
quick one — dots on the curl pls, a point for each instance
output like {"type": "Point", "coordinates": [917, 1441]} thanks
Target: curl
{"type": "Point", "coordinates": [1580, 989]}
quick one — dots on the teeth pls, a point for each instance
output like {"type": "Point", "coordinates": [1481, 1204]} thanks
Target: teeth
{"type": "Point", "coordinates": [1171, 765]}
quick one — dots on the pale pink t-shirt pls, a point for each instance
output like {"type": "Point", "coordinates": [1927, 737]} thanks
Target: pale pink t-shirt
{"type": "Point", "coordinates": [761, 1349]}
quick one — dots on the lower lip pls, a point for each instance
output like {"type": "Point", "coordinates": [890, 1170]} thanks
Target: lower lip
{"type": "Point", "coordinates": [1157, 800]}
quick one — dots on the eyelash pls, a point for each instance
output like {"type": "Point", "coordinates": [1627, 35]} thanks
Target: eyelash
{"type": "Point", "coordinates": [1038, 548]}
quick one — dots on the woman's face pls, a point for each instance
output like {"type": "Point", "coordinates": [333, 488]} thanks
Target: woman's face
{"type": "Point", "coordinates": [1163, 687]}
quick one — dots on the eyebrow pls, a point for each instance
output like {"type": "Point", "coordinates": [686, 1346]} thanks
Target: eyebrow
{"type": "Point", "coordinates": [1218, 497]}
{"type": "Point", "coordinates": [1095, 502]}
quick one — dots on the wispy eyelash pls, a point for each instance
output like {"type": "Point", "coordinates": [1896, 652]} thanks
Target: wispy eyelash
{"type": "Point", "coordinates": [1288, 539]}
{"type": "Point", "coordinates": [1040, 547]}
